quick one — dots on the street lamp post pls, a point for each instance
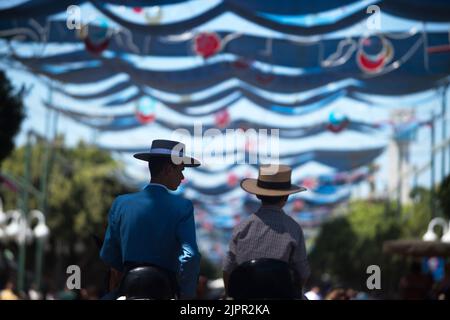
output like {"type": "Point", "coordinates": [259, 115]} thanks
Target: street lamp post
{"type": "Point", "coordinates": [41, 232]}
{"type": "Point", "coordinates": [21, 242]}
{"type": "Point", "coordinates": [19, 229]}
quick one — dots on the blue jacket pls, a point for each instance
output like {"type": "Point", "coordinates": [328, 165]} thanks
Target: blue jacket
{"type": "Point", "coordinates": [154, 226]}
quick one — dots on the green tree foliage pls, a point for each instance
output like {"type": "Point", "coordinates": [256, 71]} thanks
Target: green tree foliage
{"type": "Point", "coordinates": [417, 215]}
{"type": "Point", "coordinates": [11, 115]}
{"type": "Point", "coordinates": [81, 187]}
{"type": "Point", "coordinates": [348, 244]}
{"type": "Point", "coordinates": [444, 197]}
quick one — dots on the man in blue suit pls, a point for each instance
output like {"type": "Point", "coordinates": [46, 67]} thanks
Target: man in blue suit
{"type": "Point", "coordinates": [154, 226]}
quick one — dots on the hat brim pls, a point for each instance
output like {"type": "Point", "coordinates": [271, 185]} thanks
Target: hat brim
{"type": "Point", "coordinates": [251, 186]}
{"type": "Point", "coordinates": [187, 161]}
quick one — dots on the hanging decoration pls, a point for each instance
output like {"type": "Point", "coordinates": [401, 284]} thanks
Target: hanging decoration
{"type": "Point", "coordinates": [208, 226]}
{"type": "Point", "coordinates": [145, 110]}
{"type": "Point", "coordinates": [370, 63]}
{"type": "Point", "coordinates": [207, 44]}
{"type": "Point", "coordinates": [341, 56]}
{"type": "Point", "coordinates": [265, 78]}
{"type": "Point", "coordinates": [153, 15]}
{"type": "Point", "coordinates": [232, 180]}
{"type": "Point", "coordinates": [310, 183]}
{"type": "Point", "coordinates": [242, 63]}
{"type": "Point", "coordinates": [337, 122]}
{"type": "Point", "coordinates": [98, 40]}
{"type": "Point", "coordinates": [222, 119]}
{"type": "Point", "coordinates": [298, 205]}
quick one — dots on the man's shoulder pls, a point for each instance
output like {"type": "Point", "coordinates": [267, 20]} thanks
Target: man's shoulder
{"type": "Point", "coordinates": [168, 200]}
{"type": "Point", "coordinates": [180, 201]}
{"type": "Point", "coordinates": [128, 196]}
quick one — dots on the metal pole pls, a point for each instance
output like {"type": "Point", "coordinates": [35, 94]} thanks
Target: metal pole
{"type": "Point", "coordinates": [22, 243]}
{"type": "Point", "coordinates": [43, 208]}
{"type": "Point", "coordinates": [399, 180]}
{"type": "Point", "coordinates": [444, 128]}
{"type": "Point", "coordinates": [432, 205]}
{"type": "Point", "coordinates": [43, 199]}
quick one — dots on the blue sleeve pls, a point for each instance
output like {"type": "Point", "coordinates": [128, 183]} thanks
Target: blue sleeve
{"type": "Point", "coordinates": [190, 256]}
{"type": "Point", "coordinates": [111, 252]}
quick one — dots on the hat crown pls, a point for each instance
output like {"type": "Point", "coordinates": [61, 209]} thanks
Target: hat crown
{"type": "Point", "coordinates": [167, 144]}
{"type": "Point", "coordinates": [275, 173]}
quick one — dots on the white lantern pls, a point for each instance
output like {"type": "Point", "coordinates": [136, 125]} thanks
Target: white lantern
{"type": "Point", "coordinates": [430, 235]}
{"type": "Point", "coordinates": [13, 227]}
{"type": "Point", "coordinates": [446, 235]}
{"type": "Point", "coordinates": [40, 231]}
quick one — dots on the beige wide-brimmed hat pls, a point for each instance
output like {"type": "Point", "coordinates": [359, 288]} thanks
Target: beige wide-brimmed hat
{"type": "Point", "coordinates": [273, 181]}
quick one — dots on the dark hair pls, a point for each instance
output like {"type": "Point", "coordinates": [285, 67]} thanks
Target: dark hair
{"type": "Point", "coordinates": [272, 200]}
{"type": "Point", "coordinates": [157, 165]}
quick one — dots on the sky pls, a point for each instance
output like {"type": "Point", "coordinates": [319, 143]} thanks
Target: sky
{"type": "Point", "coordinates": [40, 119]}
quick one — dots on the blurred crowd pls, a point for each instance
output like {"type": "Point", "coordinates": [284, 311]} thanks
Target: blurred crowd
{"type": "Point", "coordinates": [9, 292]}
{"type": "Point", "coordinates": [415, 285]}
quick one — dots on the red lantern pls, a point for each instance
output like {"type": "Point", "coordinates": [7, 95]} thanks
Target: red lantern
{"type": "Point", "coordinates": [145, 110]}
{"type": "Point", "coordinates": [96, 48]}
{"type": "Point", "coordinates": [208, 226]}
{"type": "Point", "coordinates": [232, 180]}
{"type": "Point", "coordinates": [337, 128]}
{"type": "Point", "coordinates": [222, 118]}
{"type": "Point", "coordinates": [374, 63]}
{"type": "Point", "coordinates": [137, 9]}
{"type": "Point", "coordinates": [298, 205]}
{"type": "Point", "coordinates": [207, 44]}
{"type": "Point", "coordinates": [309, 183]}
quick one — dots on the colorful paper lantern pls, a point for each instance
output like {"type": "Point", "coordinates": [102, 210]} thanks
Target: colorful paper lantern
{"type": "Point", "coordinates": [222, 119]}
{"type": "Point", "coordinates": [232, 180]}
{"type": "Point", "coordinates": [145, 110]}
{"type": "Point", "coordinates": [370, 63]}
{"type": "Point", "coordinates": [337, 121]}
{"type": "Point", "coordinates": [207, 44]}
{"type": "Point", "coordinates": [309, 183]}
{"type": "Point", "coordinates": [153, 15]}
{"type": "Point", "coordinates": [98, 40]}
{"type": "Point", "coordinates": [298, 205]}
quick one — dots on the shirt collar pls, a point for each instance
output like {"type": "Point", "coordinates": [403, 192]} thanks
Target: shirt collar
{"type": "Point", "coordinates": [270, 208]}
{"type": "Point", "coordinates": [158, 184]}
